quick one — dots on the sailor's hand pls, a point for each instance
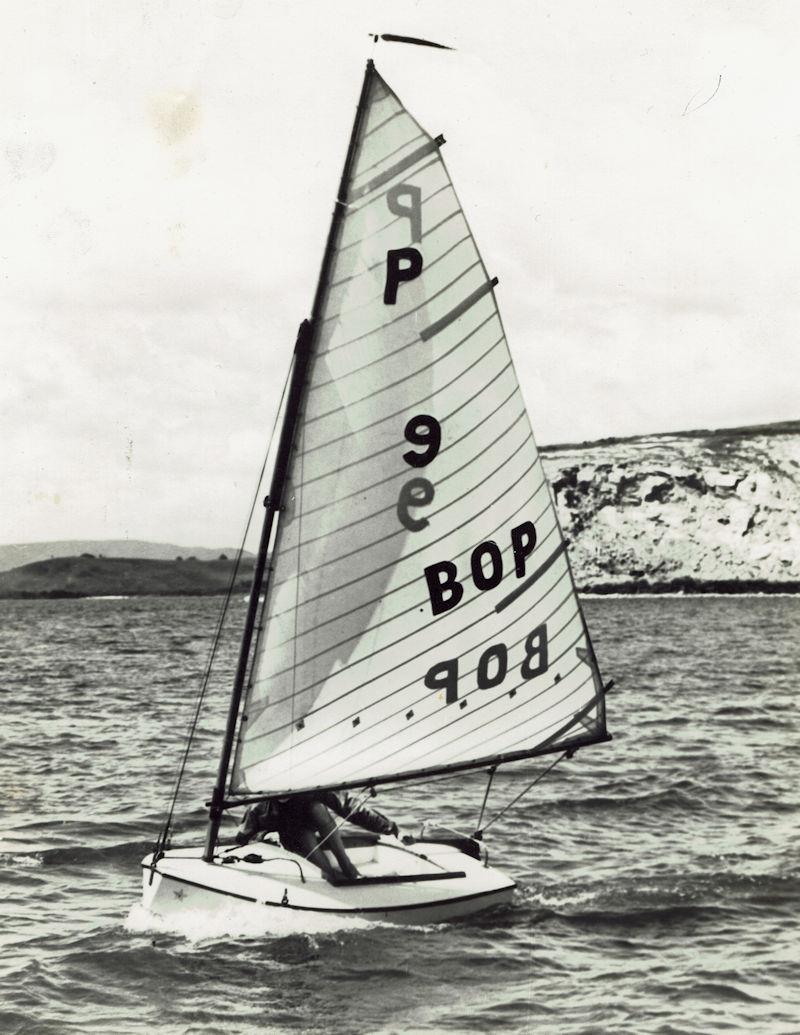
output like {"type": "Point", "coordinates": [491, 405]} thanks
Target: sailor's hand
{"type": "Point", "coordinates": [394, 830]}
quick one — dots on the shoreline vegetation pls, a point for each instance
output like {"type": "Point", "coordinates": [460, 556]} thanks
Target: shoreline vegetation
{"type": "Point", "coordinates": [91, 576]}
{"type": "Point", "coordinates": [64, 578]}
{"type": "Point", "coordinates": [690, 586]}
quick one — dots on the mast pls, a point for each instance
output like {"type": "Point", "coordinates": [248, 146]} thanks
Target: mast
{"type": "Point", "coordinates": [274, 501]}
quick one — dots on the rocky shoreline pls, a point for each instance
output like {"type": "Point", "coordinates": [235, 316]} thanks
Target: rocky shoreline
{"type": "Point", "coordinates": [699, 511]}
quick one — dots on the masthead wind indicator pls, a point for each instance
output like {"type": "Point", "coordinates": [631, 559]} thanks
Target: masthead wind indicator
{"type": "Point", "coordinates": [391, 38]}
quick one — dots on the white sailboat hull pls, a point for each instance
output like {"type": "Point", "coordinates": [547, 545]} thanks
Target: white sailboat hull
{"type": "Point", "coordinates": [426, 883]}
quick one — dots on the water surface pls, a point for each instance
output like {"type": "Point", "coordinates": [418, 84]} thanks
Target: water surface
{"type": "Point", "coordinates": [659, 875]}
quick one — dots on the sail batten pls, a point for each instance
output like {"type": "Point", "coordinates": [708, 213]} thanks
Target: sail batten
{"type": "Point", "coordinates": [394, 170]}
{"type": "Point", "coordinates": [404, 316]}
{"type": "Point", "coordinates": [501, 605]}
{"type": "Point", "coordinates": [444, 321]}
{"type": "Point", "coordinates": [421, 615]}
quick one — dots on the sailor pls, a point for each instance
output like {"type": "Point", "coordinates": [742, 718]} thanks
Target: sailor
{"type": "Point", "coordinates": [303, 822]}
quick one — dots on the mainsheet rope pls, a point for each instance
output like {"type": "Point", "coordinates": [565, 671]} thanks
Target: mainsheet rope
{"type": "Point", "coordinates": [163, 836]}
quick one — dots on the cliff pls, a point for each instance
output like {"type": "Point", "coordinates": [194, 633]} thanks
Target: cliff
{"type": "Point", "coordinates": [689, 510]}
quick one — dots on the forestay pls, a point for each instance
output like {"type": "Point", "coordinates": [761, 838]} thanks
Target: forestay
{"type": "Point", "coordinates": [421, 613]}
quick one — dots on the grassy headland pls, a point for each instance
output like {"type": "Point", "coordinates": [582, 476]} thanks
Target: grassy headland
{"type": "Point", "coordinates": [90, 576]}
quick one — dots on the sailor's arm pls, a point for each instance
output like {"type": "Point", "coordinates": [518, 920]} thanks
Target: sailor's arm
{"type": "Point", "coordinates": [346, 806]}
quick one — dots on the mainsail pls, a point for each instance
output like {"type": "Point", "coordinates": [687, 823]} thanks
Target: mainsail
{"type": "Point", "coordinates": [420, 614]}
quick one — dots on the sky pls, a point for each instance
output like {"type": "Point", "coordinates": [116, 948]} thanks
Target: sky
{"type": "Point", "coordinates": [167, 174]}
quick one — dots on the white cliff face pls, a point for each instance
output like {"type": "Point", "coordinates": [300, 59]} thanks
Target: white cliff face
{"type": "Point", "coordinates": [709, 506]}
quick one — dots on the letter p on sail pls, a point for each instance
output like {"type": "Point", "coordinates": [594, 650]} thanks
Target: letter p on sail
{"type": "Point", "coordinates": [396, 274]}
{"type": "Point", "coordinates": [412, 210]}
{"type": "Point", "coordinates": [523, 541]}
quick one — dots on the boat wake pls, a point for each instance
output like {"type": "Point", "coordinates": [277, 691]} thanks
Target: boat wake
{"type": "Point", "coordinates": [240, 922]}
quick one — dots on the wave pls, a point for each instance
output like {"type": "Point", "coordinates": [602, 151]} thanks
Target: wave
{"type": "Point", "coordinates": [679, 594]}
{"type": "Point", "coordinates": [634, 919]}
{"type": "Point", "coordinates": [663, 800]}
{"type": "Point", "coordinates": [10, 857]}
{"type": "Point", "coordinates": [717, 990]}
{"type": "Point", "coordinates": [77, 855]}
{"type": "Point", "coordinates": [670, 900]}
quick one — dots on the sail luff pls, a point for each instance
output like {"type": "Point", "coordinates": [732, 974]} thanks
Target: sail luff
{"type": "Point", "coordinates": [302, 357]}
{"type": "Point", "coordinates": [341, 199]}
{"type": "Point", "coordinates": [274, 502]}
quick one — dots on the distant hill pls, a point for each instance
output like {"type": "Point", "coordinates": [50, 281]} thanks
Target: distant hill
{"type": "Point", "coordinates": [90, 576]}
{"type": "Point", "coordinates": [26, 553]}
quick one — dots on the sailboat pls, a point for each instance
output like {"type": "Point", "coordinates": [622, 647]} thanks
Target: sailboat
{"type": "Point", "coordinates": [413, 614]}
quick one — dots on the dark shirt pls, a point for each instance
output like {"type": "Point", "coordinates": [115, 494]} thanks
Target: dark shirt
{"type": "Point", "coordinates": [284, 815]}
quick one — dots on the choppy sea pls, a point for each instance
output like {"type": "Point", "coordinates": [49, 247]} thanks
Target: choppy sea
{"type": "Point", "coordinates": [659, 875]}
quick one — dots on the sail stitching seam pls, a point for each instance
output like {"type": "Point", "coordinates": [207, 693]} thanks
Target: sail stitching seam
{"type": "Point", "coordinates": [432, 543]}
{"type": "Point", "coordinates": [397, 319]}
{"type": "Point", "coordinates": [461, 553]}
{"type": "Point", "coordinates": [401, 531]}
{"type": "Point", "coordinates": [375, 298]}
{"type": "Point", "coordinates": [480, 618]}
{"type": "Point", "coordinates": [393, 504]}
{"type": "Point", "coordinates": [375, 233]}
{"type": "Point", "coordinates": [476, 730]}
{"type": "Point", "coordinates": [415, 403]}
{"type": "Point", "coordinates": [415, 657]}
{"type": "Point", "coordinates": [369, 628]}
{"type": "Point", "coordinates": [387, 156]}
{"type": "Point", "coordinates": [404, 473]}
{"type": "Point", "coordinates": [421, 699]}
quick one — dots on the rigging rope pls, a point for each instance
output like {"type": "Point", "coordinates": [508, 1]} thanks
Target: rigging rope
{"type": "Point", "coordinates": [492, 771]}
{"type": "Point", "coordinates": [567, 754]}
{"type": "Point", "coordinates": [163, 837]}
{"type": "Point", "coordinates": [370, 792]}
